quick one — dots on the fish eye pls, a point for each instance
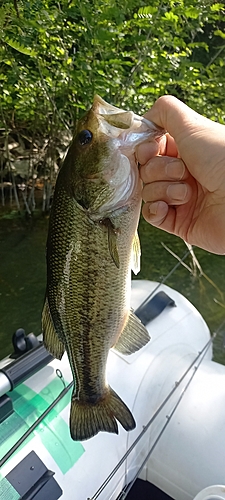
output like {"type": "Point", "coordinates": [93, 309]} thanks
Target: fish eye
{"type": "Point", "coordinates": [85, 137]}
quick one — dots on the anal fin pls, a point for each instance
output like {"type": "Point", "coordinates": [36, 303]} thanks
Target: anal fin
{"type": "Point", "coordinates": [133, 337]}
{"type": "Point", "coordinates": [50, 337]}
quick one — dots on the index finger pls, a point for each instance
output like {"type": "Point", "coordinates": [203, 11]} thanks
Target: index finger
{"type": "Point", "coordinates": [165, 146]}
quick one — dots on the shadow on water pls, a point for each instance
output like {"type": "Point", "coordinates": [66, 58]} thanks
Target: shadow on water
{"type": "Point", "coordinates": [23, 276]}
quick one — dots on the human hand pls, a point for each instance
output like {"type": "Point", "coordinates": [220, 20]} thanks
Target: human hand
{"type": "Point", "coordinates": [184, 187]}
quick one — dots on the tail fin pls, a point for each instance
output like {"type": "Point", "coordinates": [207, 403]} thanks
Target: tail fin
{"type": "Point", "coordinates": [87, 419]}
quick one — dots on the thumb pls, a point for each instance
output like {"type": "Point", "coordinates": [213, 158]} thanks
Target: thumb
{"type": "Point", "coordinates": [174, 116]}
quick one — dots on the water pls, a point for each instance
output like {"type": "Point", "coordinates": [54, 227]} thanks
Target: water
{"type": "Point", "coordinates": [23, 277]}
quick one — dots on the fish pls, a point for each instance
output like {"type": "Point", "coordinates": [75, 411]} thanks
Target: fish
{"type": "Point", "coordinates": [92, 245]}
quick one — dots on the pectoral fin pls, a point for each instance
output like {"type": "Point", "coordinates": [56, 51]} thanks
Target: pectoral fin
{"type": "Point", "coordinates": [50, 337]}
{"type": "Point", "coordinates": [112, 242]}
{"type": "Point", "coordinates": [133, 337]}
{"type": "Point", "coordinates": [136, 254]}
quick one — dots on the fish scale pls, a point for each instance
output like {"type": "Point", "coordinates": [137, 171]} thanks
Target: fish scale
{"type": "Point", "coordinates": [91, 239]}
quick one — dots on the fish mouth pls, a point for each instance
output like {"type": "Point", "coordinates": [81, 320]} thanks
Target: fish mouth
{"type": "Point", "coordinates": [125, 130]}
{"type": "Point", "coordinates": [129, 128]}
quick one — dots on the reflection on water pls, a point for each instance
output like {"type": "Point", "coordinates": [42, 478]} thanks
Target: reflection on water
{"type": "Point", "coordinates": [23, 275]}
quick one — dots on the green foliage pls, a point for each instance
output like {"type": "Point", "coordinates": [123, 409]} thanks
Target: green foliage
{"type": "Point", "coordinates": [20, 48]}
{"type": "Point", "coordinates": [55, 55]}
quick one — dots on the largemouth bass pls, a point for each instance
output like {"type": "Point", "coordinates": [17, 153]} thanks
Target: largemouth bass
{"type": "Point", "coordinates": [91, 247]}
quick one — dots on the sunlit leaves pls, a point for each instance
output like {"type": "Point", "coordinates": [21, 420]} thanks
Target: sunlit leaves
{"type": "Point", "coordinates": [219, 33]}
{"type": "Point", "coordinates": [20, 48]}
{"type": "Point", "coordinates": [56, 55]}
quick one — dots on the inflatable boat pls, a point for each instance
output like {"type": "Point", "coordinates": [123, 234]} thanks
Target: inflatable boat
{"type": "Point", "coordinates": [173, 388]}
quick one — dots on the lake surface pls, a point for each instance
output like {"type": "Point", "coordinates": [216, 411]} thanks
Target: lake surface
{"type": "Point", "coordinates": [23, 277]}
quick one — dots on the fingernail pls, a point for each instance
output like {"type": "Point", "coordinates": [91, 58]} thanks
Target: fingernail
{"type": "Point", "coordinates": [158, 211]}
{"type": "Point", "coordinates": [177, 192]}
{"type": "Point", "coordinates": [175, 169]}
{"type": "Point", "coordinates": [153, 208]}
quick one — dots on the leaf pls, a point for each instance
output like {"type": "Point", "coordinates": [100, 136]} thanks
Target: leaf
{"type": "Point", "coordinates": [196, 45]}
{"type": "Point", "coordinates": [2, 17]}
{"type": "Point", "coordinates": [192, 13]}
{"type": "Point", "coordinates": [20, 48]}
{"type": "Point", "coordinates": [148, 90]}
{"type": "Point", "coordinates": [219, 33]}
{"type": "Point", "coordinates": [216, 7]}
{"type": "Point", "coordinates": [170, 16]}
{"type": "Point", "coordinates": [147, 11]}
